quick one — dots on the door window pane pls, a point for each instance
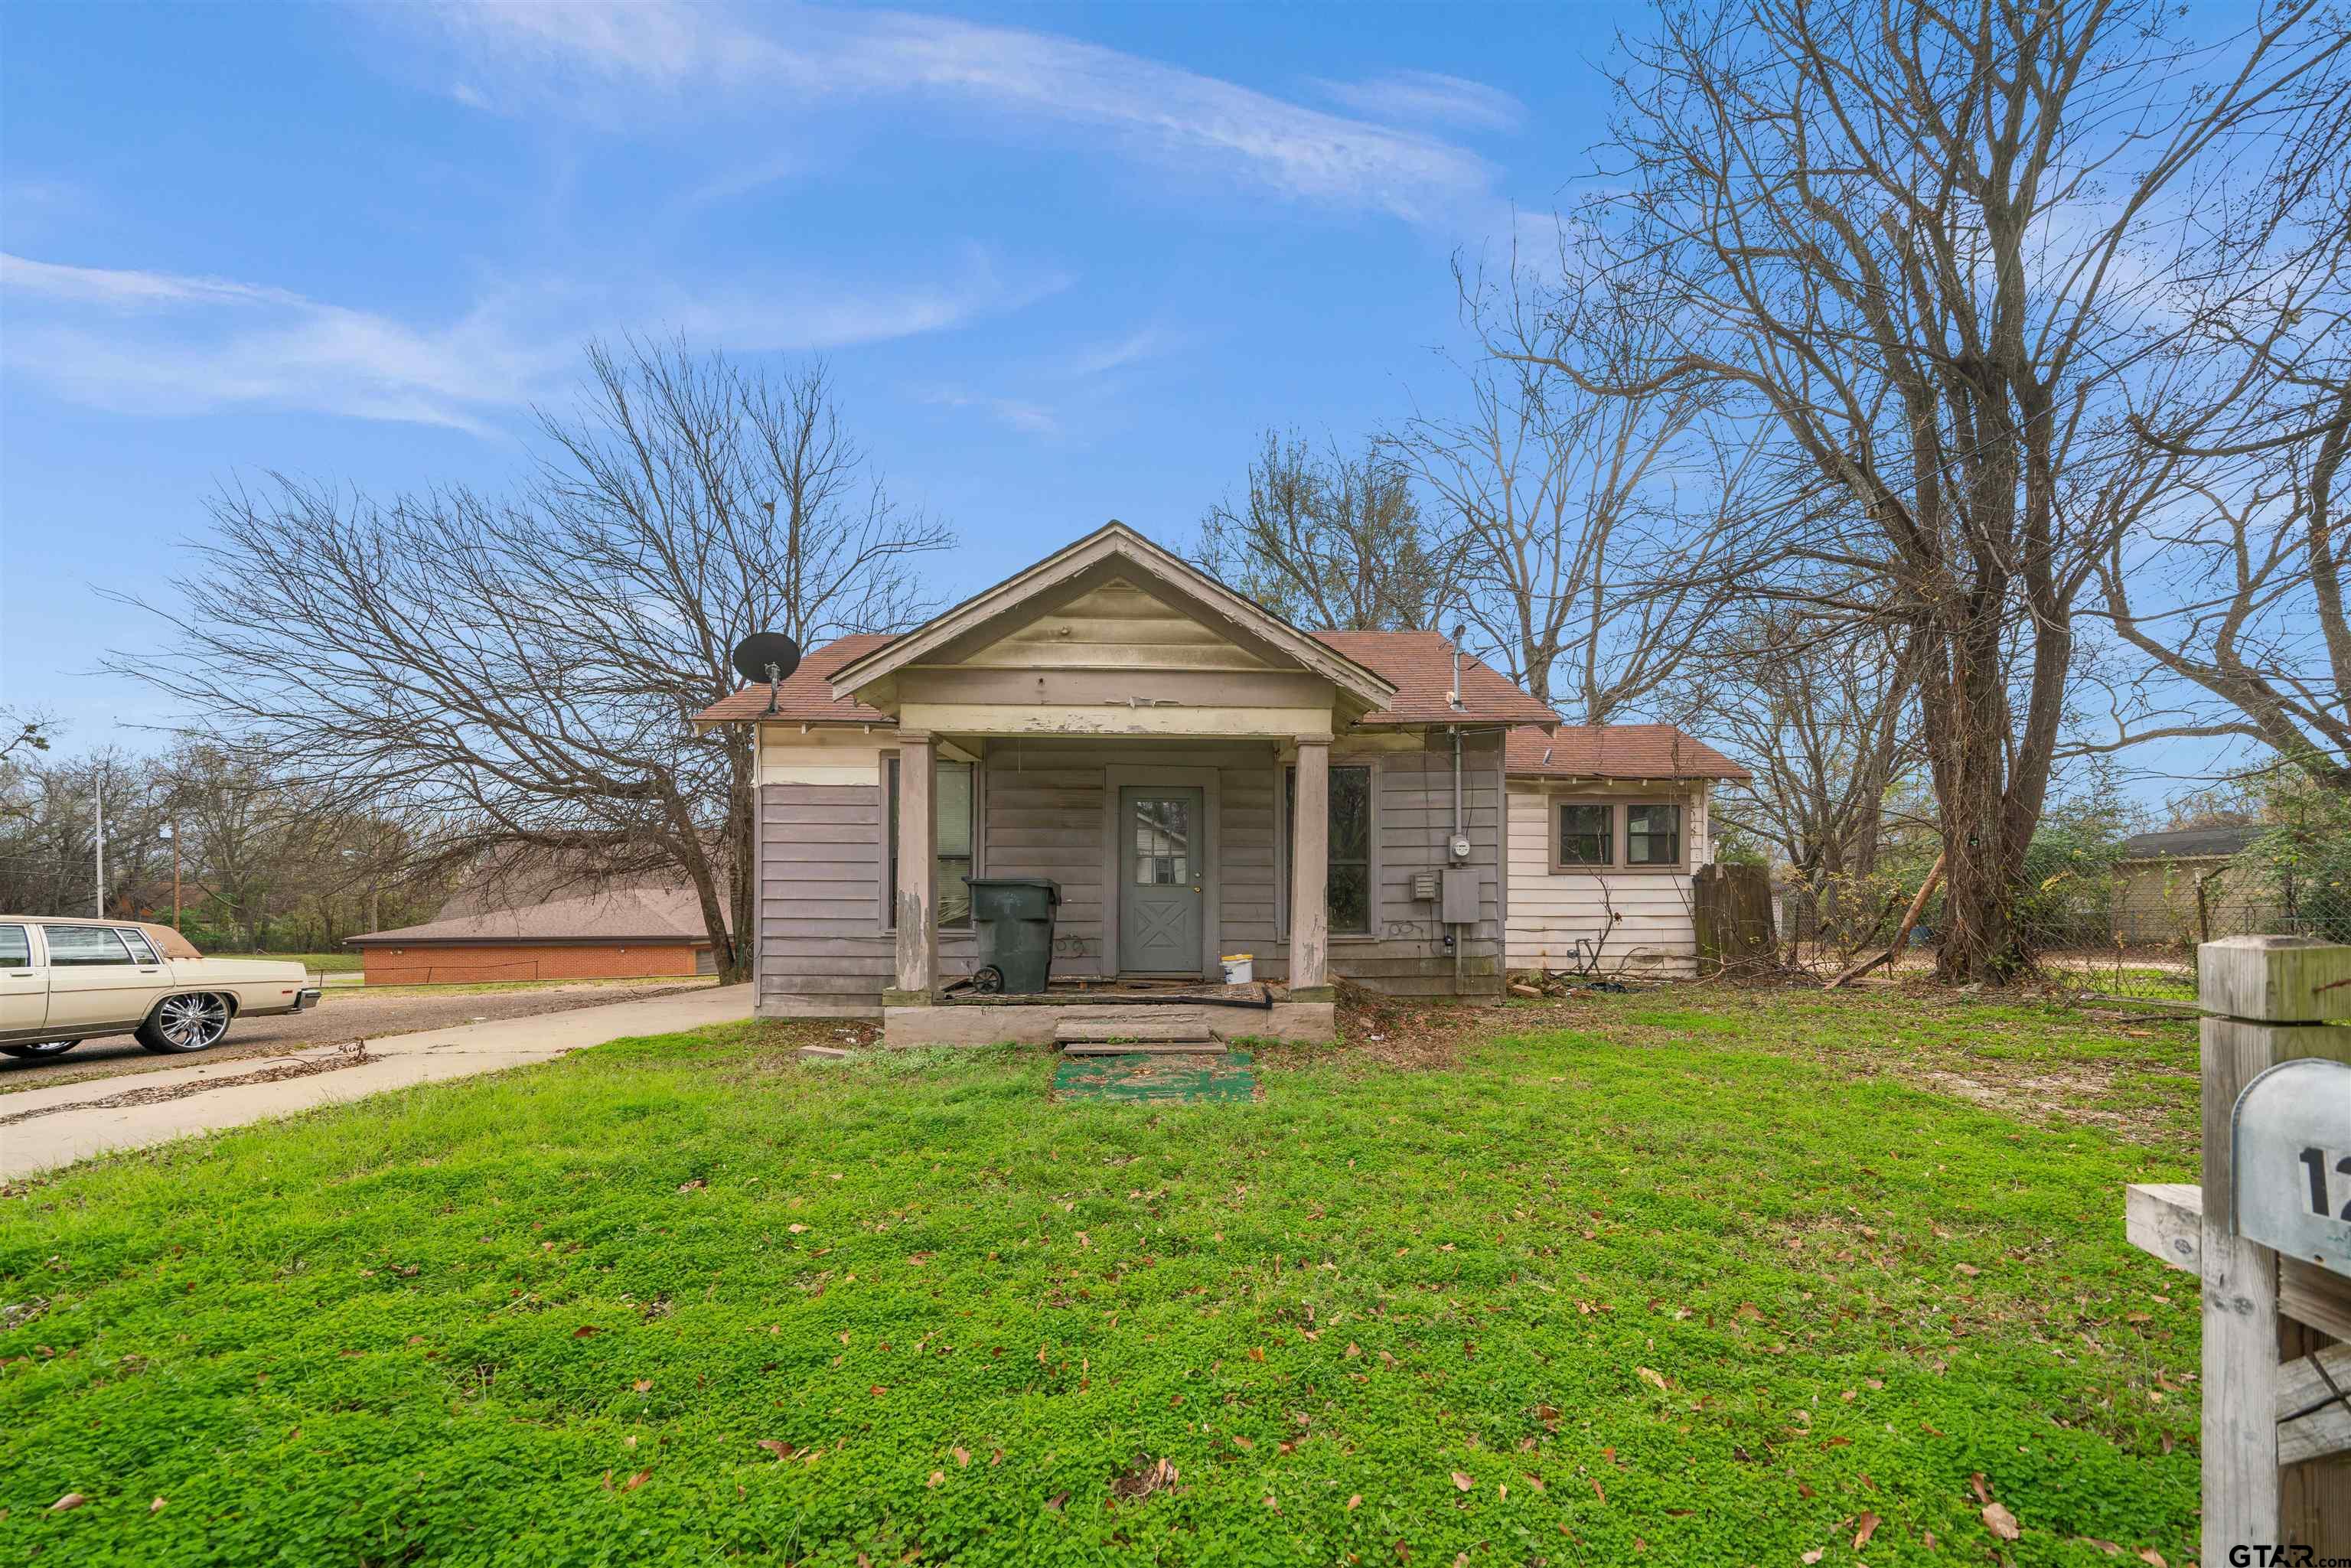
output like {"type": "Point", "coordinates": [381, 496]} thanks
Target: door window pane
{"type": "Point", "coordinates": [1347, 884]}
{"type": "Point", "coordinates": [1653, 835]}
{"type": "Point", "coordinates": [1162, 841]}
{"type": "Point", "coordinates": [77, 945]}
{"type": "Point", "coordinates": [15, 947]}
{"type": "Point", "coordinates": [1587, 835]}
{"type": "Point", "coordinates": [137, 942]}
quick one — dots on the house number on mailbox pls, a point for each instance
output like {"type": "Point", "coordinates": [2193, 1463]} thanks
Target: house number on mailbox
{"type": "Point", "coordinates": [2289, 1164]}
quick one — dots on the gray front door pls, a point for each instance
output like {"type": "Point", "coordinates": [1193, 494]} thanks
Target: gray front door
{"type": "Point", "coordinates": [1160, 876]}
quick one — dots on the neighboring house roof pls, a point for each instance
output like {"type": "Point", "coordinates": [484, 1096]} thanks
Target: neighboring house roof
{"type": "Point", "coordinates": [2189, 843]}
{"type": "Point", "coordinates": [806, 696]}
{"type": "Point", "coordinates": [1115, 551]}
{"type": "Point", "coordinates": [1616, 751]}
{"type": "Point", "coordinates": [1419, 664]}
{"type": "Point", "coordinates": [667, 915]}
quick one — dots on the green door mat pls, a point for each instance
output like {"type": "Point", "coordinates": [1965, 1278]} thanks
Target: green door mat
{"type": "Point", "coordinates": [1155, 1078]}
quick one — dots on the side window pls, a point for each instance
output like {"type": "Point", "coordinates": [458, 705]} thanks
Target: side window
{"type": "Point", "coordinates": [75, 946]}
{"type": "Point", "coordinates": [15, 947]}
{"type": "Point", "coordinates": [1653, 835]}
{"type": "Point", "coordinates": [1586, 835]}
{"type": "Point", "coordinates": [136, 940]}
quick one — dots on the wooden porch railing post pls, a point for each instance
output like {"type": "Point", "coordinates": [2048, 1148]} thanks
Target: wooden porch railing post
{"type": "Point", "coordinates": [1310, 875]}
{"type": "Point", "coordinates": [918, 912]}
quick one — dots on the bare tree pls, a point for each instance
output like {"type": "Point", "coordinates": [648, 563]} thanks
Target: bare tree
{"type": "Point", "coordinates": [1929, 249]}
{"type": "Point", "coordinates": [2232, 587]}
{"type": "Point", "coordinates": [1582, 523]}
{"type": "Point", "coordinates": [1335, 541]}
{"type": "Point", "coordinates": [1821, 708]}
{"type": "Point", "coordinates": [523, 671]}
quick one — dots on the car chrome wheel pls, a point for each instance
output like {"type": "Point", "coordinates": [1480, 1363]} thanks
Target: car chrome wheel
{"type": "Point", "coordinates": [191, 1023]}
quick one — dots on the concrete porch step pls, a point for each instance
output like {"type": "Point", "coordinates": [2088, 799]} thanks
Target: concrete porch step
{"type": "Point", "coordinates": [1111, 1031]}
{"type": "Point", "coordinates": [1144, 1047]}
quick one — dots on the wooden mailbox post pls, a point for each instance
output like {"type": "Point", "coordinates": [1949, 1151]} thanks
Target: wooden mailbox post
{"type": "Point", "coordinates": [2266, 1232]}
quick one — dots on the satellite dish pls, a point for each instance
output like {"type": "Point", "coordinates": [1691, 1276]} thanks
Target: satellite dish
{"type": "Point", "coordinates": [769, 657]}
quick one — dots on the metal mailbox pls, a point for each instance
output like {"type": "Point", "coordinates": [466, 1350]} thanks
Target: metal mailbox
{"type": "Point", "coordinates": [2291, 1161]}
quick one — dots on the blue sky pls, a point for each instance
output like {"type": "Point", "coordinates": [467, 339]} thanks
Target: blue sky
{"type": "Point", "coordinates": [1065, 260]}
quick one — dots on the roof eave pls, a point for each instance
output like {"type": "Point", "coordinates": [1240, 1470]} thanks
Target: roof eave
{"type": "Point", "coordinates": [1359, 680]}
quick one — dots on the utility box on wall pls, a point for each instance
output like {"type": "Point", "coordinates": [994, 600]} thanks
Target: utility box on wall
{"type": "Point", "coordinates": [1460, 897]}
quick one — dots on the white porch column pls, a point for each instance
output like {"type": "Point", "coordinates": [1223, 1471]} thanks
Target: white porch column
{"type": "Point", "coordinates": [918, 912]}
{"type": "Point", "coordinates": [1310, 875]}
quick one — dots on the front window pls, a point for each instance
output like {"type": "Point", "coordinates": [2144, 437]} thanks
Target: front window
{"type": "Point", "coordinates": [954, 795]}
{"type": "Point", "coordinates": [1653, 835]}
{"type": "Point", "coordinates": [1347, 889]}
{"type": "Point", "coordinates": [74, 946]}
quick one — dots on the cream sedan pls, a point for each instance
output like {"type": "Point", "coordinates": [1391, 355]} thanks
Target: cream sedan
{"type": "Point", "coordinates": [62, 982]}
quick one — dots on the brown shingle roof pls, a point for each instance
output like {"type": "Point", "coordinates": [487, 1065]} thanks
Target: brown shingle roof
{"type": "Point", "coordinates": [1419, 664]}
{"type": "Point", "coordinates": [806, 698]}
{"type": "Point", "coordinates": [669, 914]}
{"type": "Point", "coordinates": [1616, 751]}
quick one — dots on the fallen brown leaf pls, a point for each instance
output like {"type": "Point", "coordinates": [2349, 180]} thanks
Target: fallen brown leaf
{"type": "Point", "coordinates": [68, 1503]}
{"type": "Point", "coordinates": [1462, 1482]}
{"type": "Point", "coordinates": [962, 1457]}
{"type": "Point", "coordinates": [635, 1482]}
{"type": "Point", "coordinates": [1999, 1521]}
{"type": "Point", "coordinates": [1868, 1523]}
{"type": "Point", "coordinates": [777, 1446]}
{"type": "Point", "coordinates": [938, 1478]}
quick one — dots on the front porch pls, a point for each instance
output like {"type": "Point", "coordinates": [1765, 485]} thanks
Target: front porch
{"type": "Point", "coordinates": [1164, 864]}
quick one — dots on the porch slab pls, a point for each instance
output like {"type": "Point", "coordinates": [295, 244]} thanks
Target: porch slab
{"type": "Point", "coordinates": [1038, 1021]}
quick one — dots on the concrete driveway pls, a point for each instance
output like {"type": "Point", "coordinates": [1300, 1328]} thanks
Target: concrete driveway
{"type": "Point", "coordinates": [340, 1017]}
{"type": "Point", "coordinates": [42, 1129]}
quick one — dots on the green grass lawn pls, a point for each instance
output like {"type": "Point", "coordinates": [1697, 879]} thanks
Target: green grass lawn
{"type": "Point", "coordinates": [1658, 1279]}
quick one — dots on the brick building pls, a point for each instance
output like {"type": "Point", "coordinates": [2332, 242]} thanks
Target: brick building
{"type": "Point", "coordinates": [624, 933]}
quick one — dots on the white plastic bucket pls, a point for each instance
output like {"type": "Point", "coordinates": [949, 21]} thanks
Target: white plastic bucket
{"type": "Point", "coordinates": [1240, 969]}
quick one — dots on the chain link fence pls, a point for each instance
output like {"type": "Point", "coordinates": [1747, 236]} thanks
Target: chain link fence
{"type": "Point", "coordinates": [2125, 932]}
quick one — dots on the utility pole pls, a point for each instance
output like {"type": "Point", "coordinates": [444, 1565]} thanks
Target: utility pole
{"type": "Point", "coordinates": [175, 876]}
{"type": "Point", "coordinates": [99, 790]}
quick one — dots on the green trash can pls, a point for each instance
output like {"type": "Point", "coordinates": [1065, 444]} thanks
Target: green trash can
{"type": "Point", "coordinates": [1015, 917]}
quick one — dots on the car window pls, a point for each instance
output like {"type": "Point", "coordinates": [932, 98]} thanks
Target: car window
{"type": "Point", "coordinates": [15, 947]}
{"type": "Point", "coordinates": [137, 941]}
{"type": "Point", "coordinates": [72, 946]}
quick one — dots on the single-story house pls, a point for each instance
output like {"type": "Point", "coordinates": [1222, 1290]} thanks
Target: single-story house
{"type": "Point", "coordinates": [628, 932]}
{"type": "Point", "coordinates": [1201, 777]}
{"type": "Point", "coordinates": [2181, 886]}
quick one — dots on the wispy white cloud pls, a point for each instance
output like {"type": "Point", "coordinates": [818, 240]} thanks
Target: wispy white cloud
{"type": "Point", "coordinates": [1116, 353]}
{"type": "Point", "coordinates": [621, 63]}
{"type": "Point", "coordinates": [1029, 418]}
{"type": "Point", "coordinates": [1422, 98]}
{"type": "Point", "coordinates": [157, 342]}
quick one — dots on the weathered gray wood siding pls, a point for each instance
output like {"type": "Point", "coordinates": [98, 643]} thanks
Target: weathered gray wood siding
{"type": "Point", "coordinates": [1406, 954]}
{"type": "Point", "coordinates": [821, 946]}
